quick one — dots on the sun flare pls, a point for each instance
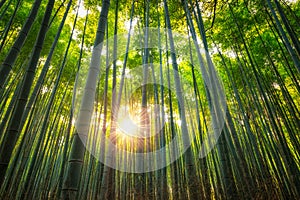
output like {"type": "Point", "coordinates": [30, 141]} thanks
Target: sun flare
{"type": "Point", "coordinates": [127, 126]}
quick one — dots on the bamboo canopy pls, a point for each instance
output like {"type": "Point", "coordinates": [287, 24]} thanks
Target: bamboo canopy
{"type": "Point", "coordinates": [157, 99]}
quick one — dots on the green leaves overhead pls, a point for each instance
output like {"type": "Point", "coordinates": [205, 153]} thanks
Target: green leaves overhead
{"type": "Point", "coordinates": [157, 91]}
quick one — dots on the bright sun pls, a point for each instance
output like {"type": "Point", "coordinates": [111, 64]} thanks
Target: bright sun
{"type": "Point", "coordinates": [130, 134]}
{"type": "Point", "coordinates": [127, 126]}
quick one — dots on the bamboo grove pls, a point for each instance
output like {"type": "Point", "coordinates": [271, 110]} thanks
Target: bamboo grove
{"type": "Point", "coordinates": [170, 74]}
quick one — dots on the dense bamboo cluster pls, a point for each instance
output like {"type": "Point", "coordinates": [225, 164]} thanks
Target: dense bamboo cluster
{"type": "Point", "coordinates": [91, 92]}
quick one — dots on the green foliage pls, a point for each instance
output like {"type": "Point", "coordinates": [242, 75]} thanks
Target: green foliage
{"type": "Point", "coordinates": [257, 155]}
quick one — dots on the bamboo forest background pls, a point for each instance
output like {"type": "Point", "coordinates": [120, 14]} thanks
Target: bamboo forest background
{"type": "Point", "coordinates": [253, 47]}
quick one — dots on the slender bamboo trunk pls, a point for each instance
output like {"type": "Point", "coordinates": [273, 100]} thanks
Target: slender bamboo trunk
{"type": "Point", "coordinates": [7, 27]}
{"type": "Point", "coordinates": [11, 57]}
{"type": "Point", "coordinates": [72, 178]}
{"type": "Point", "coordinates": [2, 3]}
{"type": "Point", "coordinates": [12, 132]}
{"type": "Point", "coordinates": [288, 28]}
{"type": "Point", "coordinates": [285, 38]}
